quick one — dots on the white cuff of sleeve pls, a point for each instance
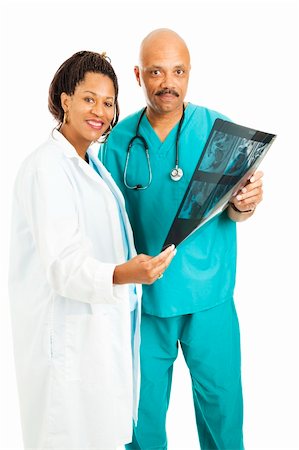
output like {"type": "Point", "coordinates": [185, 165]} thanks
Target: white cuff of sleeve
{"type": "Point", "coordinates": [103, 285]}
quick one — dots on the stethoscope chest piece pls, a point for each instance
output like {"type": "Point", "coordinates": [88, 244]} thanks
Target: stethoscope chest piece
{"type": "Point", "coordinates": [176, 174]}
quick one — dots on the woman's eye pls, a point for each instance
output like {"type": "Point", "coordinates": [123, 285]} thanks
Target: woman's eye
{"type": "Point", "coordinates": [109, 104]}
{"type": "Point", "coordinates": [89, 99]}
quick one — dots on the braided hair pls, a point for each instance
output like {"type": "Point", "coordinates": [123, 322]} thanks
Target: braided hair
{"type": "Point", "coordinates": [72, 72]}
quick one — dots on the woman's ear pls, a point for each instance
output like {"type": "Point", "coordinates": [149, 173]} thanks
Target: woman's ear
{"type": "Point", "coordinates": [65, 100]}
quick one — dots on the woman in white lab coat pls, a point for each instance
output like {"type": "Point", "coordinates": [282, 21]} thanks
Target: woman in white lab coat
{"type": "Point", "coordinates": [75, 318]}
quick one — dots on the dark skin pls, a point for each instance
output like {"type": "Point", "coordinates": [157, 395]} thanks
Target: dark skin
{"type": "Point", "coordinates": [89, 112]}
{"type": "Point", "coordinates": [163, 73]}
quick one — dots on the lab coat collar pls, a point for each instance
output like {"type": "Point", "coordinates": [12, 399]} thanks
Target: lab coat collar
{"type": "Point", "coordinates": [69, 151]}
{"type": "Point", "coordinates": [104, 178]}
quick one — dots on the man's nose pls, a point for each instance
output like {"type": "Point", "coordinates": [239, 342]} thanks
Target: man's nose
{"type": "Point", "coordinates": [168, 81]}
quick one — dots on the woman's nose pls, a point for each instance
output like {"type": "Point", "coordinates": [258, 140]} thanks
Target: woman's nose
{"type": "Point", "coordinates": [97, 109]}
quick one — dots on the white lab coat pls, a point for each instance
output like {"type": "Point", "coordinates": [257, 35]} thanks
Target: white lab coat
{"type": "Point", "coordinates": [71, 325]}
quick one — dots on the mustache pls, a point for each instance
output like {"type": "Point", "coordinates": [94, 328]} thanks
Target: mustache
{"type": "Point", "coordinates": [167, 91]}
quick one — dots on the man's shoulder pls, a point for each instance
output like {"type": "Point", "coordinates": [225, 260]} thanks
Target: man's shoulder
{"type": "Point", "coordinates": [127, 124]}
{"type": "Point", "coordinates": [208, 113]}
{"type": "Point", "coordinates": [119, 137]}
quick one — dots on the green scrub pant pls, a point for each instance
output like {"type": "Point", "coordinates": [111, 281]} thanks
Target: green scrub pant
{"type": "Point", "coordinates": [210, 343]}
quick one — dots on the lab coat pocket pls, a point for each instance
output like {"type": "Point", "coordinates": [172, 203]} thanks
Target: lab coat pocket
{"type": "Point", "coordinates": [86, 352]}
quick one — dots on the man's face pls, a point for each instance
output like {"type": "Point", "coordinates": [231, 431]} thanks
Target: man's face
{"type": "Point", "coordinates": [163, 74]}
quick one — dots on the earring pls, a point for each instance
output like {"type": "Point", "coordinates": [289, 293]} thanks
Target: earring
{"type": "Point", "coordinates": [65, 118]}
{"type": "Point", "coordinates": [108, 130]}
{"type": "Point", "coordinates": [104, 135]}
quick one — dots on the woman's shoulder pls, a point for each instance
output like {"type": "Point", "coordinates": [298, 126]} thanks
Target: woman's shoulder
{"type": "Point", "coordinates": [46, 156]}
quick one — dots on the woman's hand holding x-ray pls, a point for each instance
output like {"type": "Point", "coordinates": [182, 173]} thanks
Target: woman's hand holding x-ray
{"type": "Point", "coordinates": [144, 269]}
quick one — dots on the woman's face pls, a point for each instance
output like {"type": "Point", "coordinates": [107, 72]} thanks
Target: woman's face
{"type": "Point", "coordinates": [90, 110]}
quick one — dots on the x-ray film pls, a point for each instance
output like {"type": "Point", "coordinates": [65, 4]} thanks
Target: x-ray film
{"type": "Point", "coordinates": [231, 155]}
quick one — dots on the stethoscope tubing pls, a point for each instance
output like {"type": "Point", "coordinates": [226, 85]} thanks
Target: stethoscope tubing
{"type": "Point", "coordinates": [176, 173]}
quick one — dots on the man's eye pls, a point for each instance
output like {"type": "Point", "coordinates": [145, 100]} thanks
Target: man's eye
{"type": "Point", "coordinates": [180, 71]}
{"type": "Point", "coordinates": [156, 72]}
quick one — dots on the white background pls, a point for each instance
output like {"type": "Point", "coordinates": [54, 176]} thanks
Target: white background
{"type": "Point", "coordinates": [245, 65]}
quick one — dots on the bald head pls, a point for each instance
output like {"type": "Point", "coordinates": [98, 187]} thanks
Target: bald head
{"type": "Point", "coordinates": [163, 71]}
{"type": "Point", "coordinates": [162, 40]}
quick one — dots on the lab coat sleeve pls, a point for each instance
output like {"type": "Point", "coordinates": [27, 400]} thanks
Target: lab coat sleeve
{"type": "Point", "coordinates": [49, 200]}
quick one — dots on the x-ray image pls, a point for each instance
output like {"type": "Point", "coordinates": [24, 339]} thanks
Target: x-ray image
{"type": "Point", "coordinates": [231, 155]}
{"type": "Point", "coordinates": [245, 152]}
{"type": "Point", "coordinates": [217, 153]}
{"type": "Point", "coordinates": [257, 152]}
{"type": "Point", "coordinates": [195, 200]}
{"type": "Point", "coordinates": [240, 156]}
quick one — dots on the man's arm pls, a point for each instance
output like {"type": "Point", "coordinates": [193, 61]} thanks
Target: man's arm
{"type": "Point", "coordinates": [244, 203]}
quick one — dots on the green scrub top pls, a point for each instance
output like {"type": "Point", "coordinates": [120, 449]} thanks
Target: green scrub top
{"type": "Point", "coordinates": [202, 274]}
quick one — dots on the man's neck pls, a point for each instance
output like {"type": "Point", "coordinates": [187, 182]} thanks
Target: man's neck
{"type": "Point", "coordinates": [163, 123]}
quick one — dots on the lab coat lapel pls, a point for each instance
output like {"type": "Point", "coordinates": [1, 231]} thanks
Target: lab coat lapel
{"type": "Point", "coordinates": [111, 185]}
{"type": "Point", "coordinates": [107, 178]}
{"type": "Point", "coordinates": [70, 152]}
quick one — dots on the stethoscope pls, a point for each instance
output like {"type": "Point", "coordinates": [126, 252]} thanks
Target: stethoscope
{"type": "Point", "coordinates": [176, 173]}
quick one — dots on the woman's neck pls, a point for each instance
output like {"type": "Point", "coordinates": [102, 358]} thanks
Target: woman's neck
{"type": "Point", "coordinates": [80, 145]}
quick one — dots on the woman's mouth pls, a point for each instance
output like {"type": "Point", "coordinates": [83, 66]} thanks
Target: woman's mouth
{"type": "Point", "coordinates": [95, 124]}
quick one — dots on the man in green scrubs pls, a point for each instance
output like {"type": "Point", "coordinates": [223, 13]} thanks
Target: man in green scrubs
{"type": "Point", "coordinates": [192, 304]}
